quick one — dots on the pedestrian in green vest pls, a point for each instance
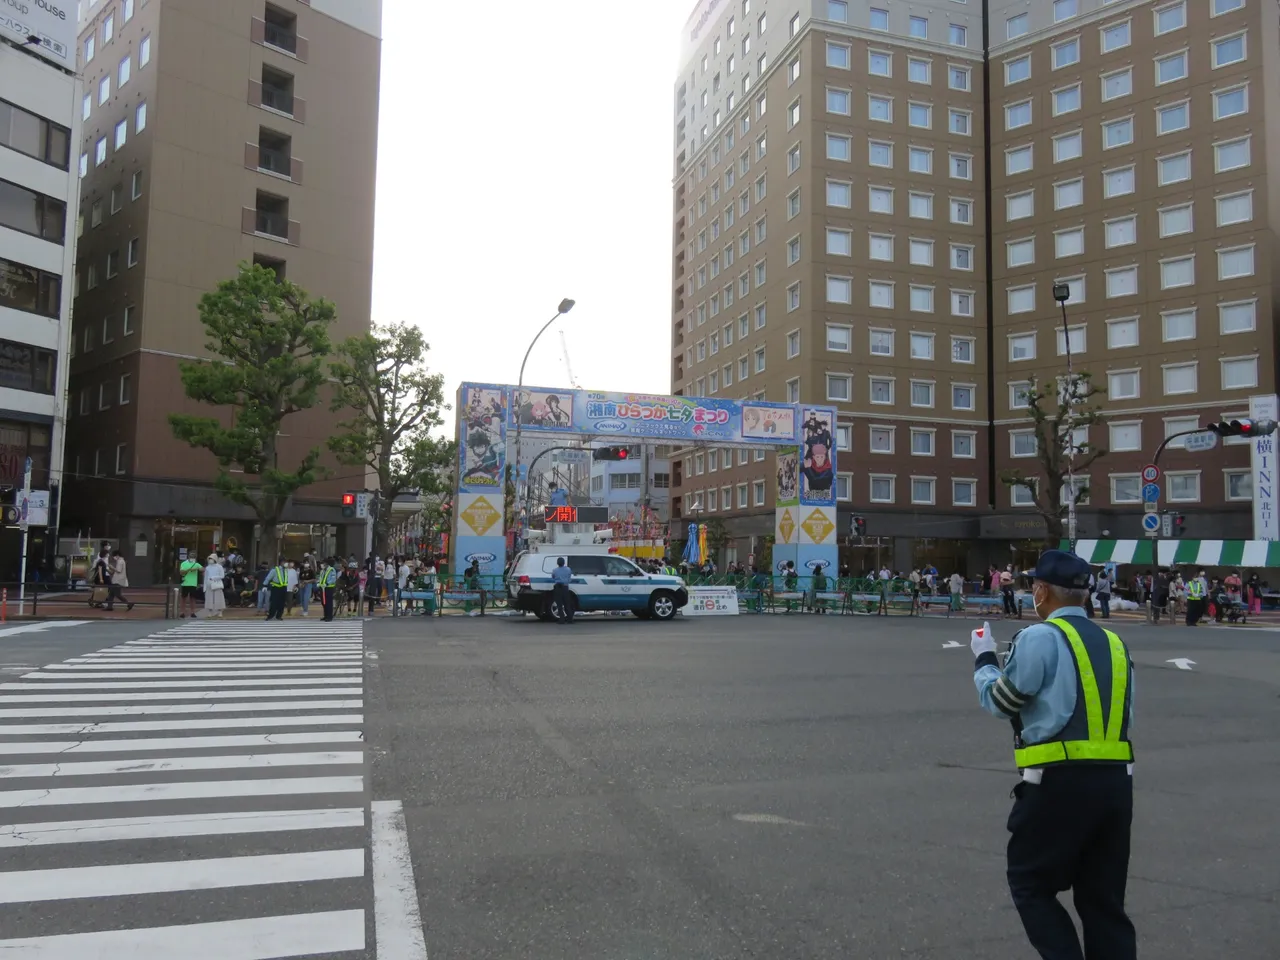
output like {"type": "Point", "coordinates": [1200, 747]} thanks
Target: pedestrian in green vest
{"type": "Point", "coordinates": [278, 584]}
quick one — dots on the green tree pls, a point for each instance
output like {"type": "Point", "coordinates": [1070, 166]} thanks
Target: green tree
{"type": "Point", "coordinates": [394, 404]}
{"type": "Point", "coordinates": [1054, 412]}
{"type": "Point", "coordinates": [268, 340]}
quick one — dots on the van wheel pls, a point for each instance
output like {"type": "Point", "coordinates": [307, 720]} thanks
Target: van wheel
{"type": "Point", "coordinates": [641, 614]}
{"type": "Point", "coordinates": [662, 605]}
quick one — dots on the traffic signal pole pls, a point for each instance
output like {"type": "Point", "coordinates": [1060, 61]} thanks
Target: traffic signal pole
{"type": "Point", "coordinates": [1225, 428]}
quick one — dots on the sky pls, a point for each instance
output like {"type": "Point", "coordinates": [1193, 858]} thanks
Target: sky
{"type": "Point", "coordinates": [525, 156]}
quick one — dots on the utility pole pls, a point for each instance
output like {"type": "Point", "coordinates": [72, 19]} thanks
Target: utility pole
{"type": "Point", "coordinates": [1062, 293]}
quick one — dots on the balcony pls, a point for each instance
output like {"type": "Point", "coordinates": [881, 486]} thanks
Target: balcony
{"type": "Point", "coordinates": [278, 29]}
{"type": "Point", "coordinates": [270, 218]}
{"type": "Point", "coordinates": [274, 91]}
{"type": "Point", "coordinates": [273, 154]}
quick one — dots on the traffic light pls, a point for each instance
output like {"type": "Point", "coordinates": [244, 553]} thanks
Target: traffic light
{"type": "Point", "coordinates": [1179, 524]}
{"type": "Point", "coordinates": [860, 526]}
{"type": "Point", "coordinates": [348, 505]}
{"type": "Point", "coordinates": [1243, 428]}
{"type": "Point", "coordinates": [609, 453]}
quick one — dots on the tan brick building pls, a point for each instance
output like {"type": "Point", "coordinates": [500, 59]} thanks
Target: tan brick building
{"type": "Point", "coordinates": [873, 201]}
{"type": "Point", "coordinates": [214, 133]}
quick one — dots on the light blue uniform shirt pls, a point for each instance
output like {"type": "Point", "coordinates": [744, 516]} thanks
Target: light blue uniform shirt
{"type": "Point", "coordinates": [561, 574]}
{"type": "Point", "coordinates": [1042, 668]}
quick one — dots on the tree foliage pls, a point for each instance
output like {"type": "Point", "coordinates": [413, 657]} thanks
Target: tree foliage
{"type": "Point", "coordinates": [269, 341]}
{"type": "Point", "coordinates": [1055, 411]}
{"type": "Point", "coordinates": [394, 404]}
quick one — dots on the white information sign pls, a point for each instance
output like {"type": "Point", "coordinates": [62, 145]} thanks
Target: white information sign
{"type": "Point", "coordinates": [1266, 522]}
{"type": "Point", "coordinates": [711, 602]}
{"type": "Point", "coordinates": [52, 22]}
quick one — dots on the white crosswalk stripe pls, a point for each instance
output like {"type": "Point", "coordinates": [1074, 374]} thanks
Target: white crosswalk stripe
{"type": "Point", "coordinates": [200, 793]}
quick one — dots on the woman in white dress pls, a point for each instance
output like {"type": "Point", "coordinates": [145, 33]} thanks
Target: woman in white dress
{"type": "Point", "coordinates": [214, 600]}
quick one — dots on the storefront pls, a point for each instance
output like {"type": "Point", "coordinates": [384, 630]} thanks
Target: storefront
{"type": "Point", "coordinates": [177, 540]}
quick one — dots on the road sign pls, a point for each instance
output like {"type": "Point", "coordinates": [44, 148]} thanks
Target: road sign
{"type": "Point", "coordinates": [362, 505]}
{"type": "Point", "coordinates": [1150, 492]}
{"type": "Point", "coordinates": [1199, 442]}
{"type": "Point", "coordinates": [573, 456]}
{"type": "Point", "coordinates": [1150, 473]}
{"type": "Point", "coordinates": [1166, 525]}
{"type": "Point", "coordinates": [1151, 524]}
{"type": "Point", "coordinates": [1151, 506]}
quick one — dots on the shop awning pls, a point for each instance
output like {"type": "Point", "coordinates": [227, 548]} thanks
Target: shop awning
{"type": "Point", "coordinates": [1205, 553]}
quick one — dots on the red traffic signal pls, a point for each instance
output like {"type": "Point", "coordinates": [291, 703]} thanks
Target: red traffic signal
{"type": "Point", "coordinates": [609, 453]}
{"type": "Point", "coordinates": [348, 499]}
{"type": "Point", "coordinates": [1243, 427]}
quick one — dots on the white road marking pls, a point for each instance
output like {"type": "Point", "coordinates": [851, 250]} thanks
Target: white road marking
{"type": "Point", "coordinates": [192, 790]}
{"type": "Point", "coordinates": [242, 761]}
{"type": "Point", "coordinates": [172, 695]}
{"type": "Point", "coordinates": [163, 708]}
{"type": "Point", "coordinates": [39, 627]}
{"type": "Point", "coordinates": [75, 883]}
{"type": "Point", "coordinates": [131, 726]}
{"type": "Point", "coordinates": [175, 684]}
{"type": "Point", "coordinates": [65, 748]}
{"type": "Point", "coordinates": [261, 938]}
{"type": "Point", "coordinates": [180, 825]}
{"type": "Point", "coordinates": [397, 919]}
{"type": "Point", "coordinates": [67, 672]}
{"type": "Point", "coordinates": [769, 818]}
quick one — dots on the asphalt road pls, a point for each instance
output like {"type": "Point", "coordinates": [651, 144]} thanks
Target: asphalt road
{"type": "Point", "coordinates": [791, 787]}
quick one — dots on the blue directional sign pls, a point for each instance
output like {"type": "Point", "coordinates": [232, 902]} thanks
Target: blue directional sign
{"type": "Point", "coordinates": [1151, 522]}
{"type": "Point", "coordinates": [1150, 492]}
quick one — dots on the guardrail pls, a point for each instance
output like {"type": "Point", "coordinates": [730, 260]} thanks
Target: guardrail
{"type": "Point", "coordinates": [44, 599]}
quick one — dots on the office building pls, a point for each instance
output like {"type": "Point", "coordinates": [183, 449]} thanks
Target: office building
{"type": "Point", "coordinates": [214, 134]}
{"type": "Point", "coordinates": [39, 93]}
{"type": "Point", "coordinates": [622, 487]}
{"type": "Point", "coordinates": [874, 201]}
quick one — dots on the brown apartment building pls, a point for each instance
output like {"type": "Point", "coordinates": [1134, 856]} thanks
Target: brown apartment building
{"type": "Point", "coordinates": [214, 133]}
{"type": "Point", "coordinates": [839, 236]}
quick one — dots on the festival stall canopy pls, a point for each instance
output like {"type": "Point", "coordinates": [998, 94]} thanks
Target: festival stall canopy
{"type": "Point", "coordinates": [1204, 553]}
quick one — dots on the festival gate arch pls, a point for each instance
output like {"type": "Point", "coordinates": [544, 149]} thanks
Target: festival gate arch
{"type": "Point", "coordinates": [802, 437]}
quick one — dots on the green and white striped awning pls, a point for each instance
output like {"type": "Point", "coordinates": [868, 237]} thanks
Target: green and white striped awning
{"type": "Point", "coordinates": [1204, 553]}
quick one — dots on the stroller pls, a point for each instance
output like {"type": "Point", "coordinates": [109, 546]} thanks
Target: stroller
{"type": "Point", "coordinates": [1233, 609]}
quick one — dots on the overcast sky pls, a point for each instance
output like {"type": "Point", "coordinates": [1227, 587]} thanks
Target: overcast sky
{"type": "Point", "coordinates": [525, 156]}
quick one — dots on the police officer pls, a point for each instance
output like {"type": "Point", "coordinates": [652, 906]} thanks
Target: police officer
{"type": "Point", "coordinates": [560, 592]}
{"type": "Point", "coordinates": [278, 585]}
{"type": "Point", "coordinates": [1196, 590]}
{"type": "Point", "coordinates": [327, 582]}
{"type": "Point", "coordinates": [1067, 689]}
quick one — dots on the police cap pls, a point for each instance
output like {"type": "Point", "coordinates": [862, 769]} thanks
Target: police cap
{"type": "Point", "coordinates": [1062, 569]}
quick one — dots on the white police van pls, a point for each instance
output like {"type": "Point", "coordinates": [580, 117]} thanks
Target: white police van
{"type": "Point", "coordinates": [601, 580]}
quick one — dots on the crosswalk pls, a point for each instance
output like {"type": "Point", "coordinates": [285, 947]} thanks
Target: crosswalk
{"type": "Point", "coordinates": [199, 794]}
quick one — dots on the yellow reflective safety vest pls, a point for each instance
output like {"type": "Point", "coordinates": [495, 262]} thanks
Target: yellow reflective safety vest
{"type": "Point", "coordinates": [1195, 588]}
{"type": "Point", "coordinates": [328, 577]}
{"type": "Point", "coordinates": [1103, 679]}
{"type": "Point", "coordinates": [277, 578]}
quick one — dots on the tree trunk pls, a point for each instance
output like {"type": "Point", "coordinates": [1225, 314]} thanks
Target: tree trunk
{"type": "Point", "coordinates": [269, 543]}
{"type": "Point", "coordinates": [382, 528]}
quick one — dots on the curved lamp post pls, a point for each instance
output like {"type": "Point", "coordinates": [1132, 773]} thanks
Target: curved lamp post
{"type": "Point", "coordinates": [565, 306]}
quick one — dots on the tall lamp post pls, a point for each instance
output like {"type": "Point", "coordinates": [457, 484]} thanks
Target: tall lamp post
{"type": "Point", "coordinates": [565, 306]}
{"type": "Point", "coordinates": [1062, 293]}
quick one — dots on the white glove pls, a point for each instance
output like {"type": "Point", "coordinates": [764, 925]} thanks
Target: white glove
{"type": "Point", "coordinates": [981, 641]}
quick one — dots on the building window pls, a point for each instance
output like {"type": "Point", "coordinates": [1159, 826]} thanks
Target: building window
{"type": "Point", "coordinates": [957, 35]}
{"type": "Point", "coordinates": [1068, 243]}
{"type": "Point", "coordinates": [126, 325]}
{"type": "Point", "coordinates": [881, 343]}
{"type": "Point", "coordinates": [100, 152]}
{"type": "Point", "coordinates": [1023, 443]}
{"type": "Point", "coordinates": [1017, 115]}
{"type": "Point", "coordinates": [1178, 272]}
{"type": "Point", "coordinates": [1228, 50]}
{"type": "Point", "coordinates": [136, 185]}
{"type": "Point", "coordinates": [1180, 378]}
{"type": "Point", "coordinates": [963, 444]}
{"type": "Point", "coordinates": [1176, 220]}
{"type": "Point", "coordinates": [131, 257]}
{"type": "Point", "coordinates": [839, 290]}
{"type": "Point", "coordinates": [1232, 154]}
{"type": "Point", "coordinates": [839, 242]}
{"type": "Point", "coordinates": [880, 108]}
{"type": "Point", "coordinates": [1172, 118]}
{"type": "Point", "coordinates": [922, 393]}
{"type": "Point", "coordinates": [144, 51]}
{"type": "Point", "coordinates": [881, 489]}
{"type": "Point", "coordinates": [1122, 385]}
{"type": "Point", "coordinates": [844, 438]}
{"type": "Point", "coordinates": [1066, 100]}
{"type": "Point", "coordinates": [879, 62]}
{"type": "Point", "coordinates": [1017, 160]}
{"type": "Point", "coordinates": [121, 133]}
{"type": "Point", "coordinates": [960, 122]}
{"type": "Point", "coordinates": [963, 396]}
{"type": "Point", "coordinates": [920, 160]}
{"type": "Point", "coordinates": [140, 118]}
{"type": "Point", "coordinates": [1183, 487]}
{"type": "Point", "coordinates": [839, 147]}
{"type": "Point", "coordinates": [1122, 281]}
{"type": "Point", "coordinates": [1117, 133]}
{"type": "Point", "coordinates": [962, 303]}
{"type": "Point", "coordinates": [881, 439]}
{"type": "Point", "coordinates": [1021, 299]}
{"type": "Point", "coordinates": [1239, 484]}
{"type": "Point", "coordinates": [1125, 436]}
{"type": "Point", "coordinates": [961, 166]}
{"type": "Point", "coordinates": [1016, 26]}
{"type": "Point", "coordinates": [1118, 182]}
{"type": "Point", "coordinates": [1120, 232]}
{"type": "Point", "coordinates": [839, 388]}
{"type": "Point", "coordinates": [958, 78]}
{"type": "Point", "coordinates": [919, 71]}
{"type": "Point", "coordinates": [922, 489]}
{"type": "Point", "coordinates": [1235, 262]}
{"type": "Point", "coordinates": [793, 297]}
{"type": "Point", "coordinates": [124, 71]}
{"type": "Point", "coordinates": [961, 211]}
{"type": "Point", "coordinates": [1122, 333]}
{"type": "Point", "coordinates": [920, 252]}
{"type": "Point", "coordinates": [922, 346]}
{"type": "Point", "coordinates": [1017, 69]}
{"type": "Point", "coordinates": [104, 89]}
{"type": "Point", "coordinates": [1238, 317]}
{"type": "Point", "coordinates": [1234, 208]}
{"type": "Point", "coordinates": [1068, 146]}
{"type": "Point", "coordinates": [881, 390]}
{"type": "Point", "coordinates": [921, 299]}
{"type": "Point", "coordinates": [1239, 373]}
{"type": "Point", "coordinates": [1116, 84]}
{"type": "Point", "coordinates": [921, 442]}
{"type": "Point", "coordinates": [1019, 206]}
{"type": "Point", "coordinates": [880, 294]}
{"type": "Point", "coordinates": [1115, 36]}
{"type": "Point", "coordinates": [1066, 53]}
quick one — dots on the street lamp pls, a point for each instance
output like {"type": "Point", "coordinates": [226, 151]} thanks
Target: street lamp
{"type": "Point", "coordinates": [565, 306]}
{"type": "Point", "coordinates": [1062, 293]}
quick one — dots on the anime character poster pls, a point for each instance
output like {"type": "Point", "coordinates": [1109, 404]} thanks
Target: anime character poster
{"type": "Point", "coordinates": [536, 409]}
{"type": "Point", "coordinates": [767, 422]}
{"type": "Point", "coordinates": [483, 447]}
{"type": "Point", "coordinates": [788, 475]}
{"type": "Point", "coordinates": [817, 465]}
